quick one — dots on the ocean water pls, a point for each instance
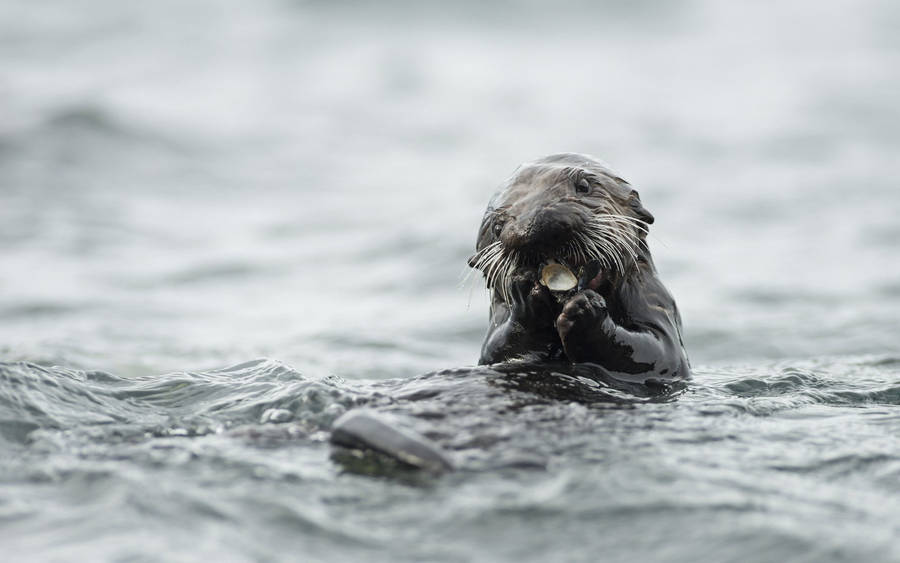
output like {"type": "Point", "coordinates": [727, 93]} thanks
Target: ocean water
{"type": "Point", "coordinates": [224, 224]}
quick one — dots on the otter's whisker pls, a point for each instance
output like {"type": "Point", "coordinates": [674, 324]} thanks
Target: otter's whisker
{"type": "Point", "coordinates": [617, 250]}
{"type": "Point", "coordinates": [623, 243]}
{"type": "Point", "coordinates": [623, 240]}
{"type": "Point", "coordinates": [620, 220]}
{"type": "Point", "coordinates": [479, 260]}
{"type": "Point", "coordinates": [489, 262]}
{"type": "Point", "coordinates": [619, 231]}
{"type": "Point", "coordinates": [637, 223]}
{"type": "Point", "coordinates": [600, 239]}
{"type": "Point", "coordinates": [495, 270]}
{"type": "Point", "coordinates": [585, 253]}
{"type": "Point", "coordinates": [643, 226]}
{"type": "Point", "coordinates": [508, 272]}
{"type": "Point", "coordinates": [603, 248]}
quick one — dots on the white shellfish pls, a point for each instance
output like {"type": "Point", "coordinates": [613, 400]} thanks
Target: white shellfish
{"type": "Point", "coordinates": [558, 278]}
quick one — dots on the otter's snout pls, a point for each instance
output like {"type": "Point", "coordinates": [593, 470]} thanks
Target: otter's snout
{"type": "Point", "coordinates": [542, 231]}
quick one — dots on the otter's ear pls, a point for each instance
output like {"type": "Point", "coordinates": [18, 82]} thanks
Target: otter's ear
{"type": "Point", "coordinates": [634, 202]}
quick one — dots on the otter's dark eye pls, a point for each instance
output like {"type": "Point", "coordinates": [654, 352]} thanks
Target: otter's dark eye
{"type": "Point", "coordinates": [583, 186]}
{"type": "Point", "coordinates": [497, 228]}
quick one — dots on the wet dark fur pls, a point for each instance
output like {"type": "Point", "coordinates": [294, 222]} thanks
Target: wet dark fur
{"type": "Point", "coordinates": [624, 322]}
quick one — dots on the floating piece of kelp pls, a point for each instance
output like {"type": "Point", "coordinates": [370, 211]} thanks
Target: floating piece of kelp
{"type": "Point", "coordinates": [364, 430]}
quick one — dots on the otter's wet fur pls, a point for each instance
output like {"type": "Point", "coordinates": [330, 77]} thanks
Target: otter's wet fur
{"type": "Point", "coordinates": [573, 209]}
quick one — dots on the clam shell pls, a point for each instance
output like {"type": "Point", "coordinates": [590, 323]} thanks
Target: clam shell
{"type": "Point", "coordinates": [558, 278]}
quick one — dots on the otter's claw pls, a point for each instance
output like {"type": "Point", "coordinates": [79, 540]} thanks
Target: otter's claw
{"type": "Point", "coordinates": [591, 276]}
{"type": "Point", "coordinates": [583, 311]}
{"type": "Point", "coordinates": [531, 301]}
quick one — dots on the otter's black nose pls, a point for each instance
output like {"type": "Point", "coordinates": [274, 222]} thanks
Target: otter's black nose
{"type": "Point", "coordinates": [544, 231]}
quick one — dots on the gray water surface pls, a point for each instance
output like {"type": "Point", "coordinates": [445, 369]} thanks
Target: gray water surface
{"type": "Point", "coordinates": [224, 224]}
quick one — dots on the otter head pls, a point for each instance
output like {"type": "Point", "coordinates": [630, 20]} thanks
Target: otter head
{"type": "Point", "coordinates": [567, 208]}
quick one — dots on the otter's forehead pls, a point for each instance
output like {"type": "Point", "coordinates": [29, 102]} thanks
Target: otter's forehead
{"type": "Point", "coordinates": [555, 174]}
{"type": "Point", "coordinates": [573, 159]}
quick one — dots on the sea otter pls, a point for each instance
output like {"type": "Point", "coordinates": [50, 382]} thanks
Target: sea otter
{"type": "Point", "coordinates": [569, 214]}
{"type": "Point", "coordinates": [578, 313]}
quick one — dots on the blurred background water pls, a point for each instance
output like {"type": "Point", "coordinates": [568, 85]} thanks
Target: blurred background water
{"type": "Point", "coordinates": [191, 185]}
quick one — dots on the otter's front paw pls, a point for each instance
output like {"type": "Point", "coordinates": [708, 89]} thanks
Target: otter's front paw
{"type": "Point", "coordinates": [581, 315]}
{"type": "Point", "coordinates": [532, 303]}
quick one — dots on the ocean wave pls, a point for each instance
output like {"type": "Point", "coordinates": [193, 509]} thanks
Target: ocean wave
{"type": "Point", "coordinates": [35, 397]}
